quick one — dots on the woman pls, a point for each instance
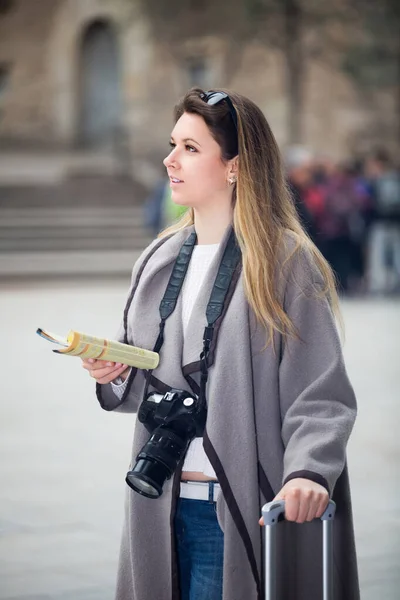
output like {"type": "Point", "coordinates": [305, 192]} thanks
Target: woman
{"type": "Point", "coordinates": [280, 407]}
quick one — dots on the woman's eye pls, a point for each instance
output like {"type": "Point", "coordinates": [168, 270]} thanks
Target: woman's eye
{"type": "Point", "coordinates": [188, 148]}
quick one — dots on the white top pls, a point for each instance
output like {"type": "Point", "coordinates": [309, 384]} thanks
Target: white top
{"type": "Point", "coordinates": [196, 459]}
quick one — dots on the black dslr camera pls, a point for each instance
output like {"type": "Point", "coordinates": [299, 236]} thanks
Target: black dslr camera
{"type": "Point", "coordinates": [173, 419]}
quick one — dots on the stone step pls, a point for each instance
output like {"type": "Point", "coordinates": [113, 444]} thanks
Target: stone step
{"type": "Point", "coordinates": [54, 244]}
{"type": "Point", "coordinates": [77, 231]}
{"type": "Point", "coordinates": [50, 222]}
{"type": "Point", "coordinates": [75, 192]}
{"type": "Point", "coordinates": [95, 263]}
{"type": "Point", "coordinates": [78, 226]}
{"type": "Point", "coordinates": [60, 228]}
{"type": "Point", "coordinates": [55, 209]}
{"type": "Point", "coordinates": [67, 212]}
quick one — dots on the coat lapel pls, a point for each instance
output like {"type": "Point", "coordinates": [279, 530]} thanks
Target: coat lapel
{"type": "Point", "coordinates": [145, 313]}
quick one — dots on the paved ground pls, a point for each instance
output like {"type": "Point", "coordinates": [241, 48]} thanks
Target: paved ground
{"type": "Point", "coordinates": [63, 460]}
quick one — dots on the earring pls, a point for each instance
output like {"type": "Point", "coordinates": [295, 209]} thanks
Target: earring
{"type": "Point", "coordinates": [232, 180]}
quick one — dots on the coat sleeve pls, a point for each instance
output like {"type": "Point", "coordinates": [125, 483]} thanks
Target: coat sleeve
{"type": "Point", "coordinates": [131, 398]}
{"type": "Point", "coordinates": [129, 401]}
{"type": "Point", "coordinates": [318, 405]}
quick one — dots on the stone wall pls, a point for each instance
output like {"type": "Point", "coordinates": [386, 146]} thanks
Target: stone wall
{"type": "Point", "coordinates": [25, 104]}
{"type": "Point", "coordinates": [41, 42]}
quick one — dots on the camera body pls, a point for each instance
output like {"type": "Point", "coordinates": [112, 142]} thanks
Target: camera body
{"type": "Point", "coordinates": [173, 420]}
{"type": "Point", "coordinates": [176, 408]}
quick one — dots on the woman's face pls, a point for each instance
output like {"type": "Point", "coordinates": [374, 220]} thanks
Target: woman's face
{"type": "Point", "coordinates": [198, 176]}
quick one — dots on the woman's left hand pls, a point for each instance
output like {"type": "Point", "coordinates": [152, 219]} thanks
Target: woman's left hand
{"type": "Point", "coordinates": [304, 499]}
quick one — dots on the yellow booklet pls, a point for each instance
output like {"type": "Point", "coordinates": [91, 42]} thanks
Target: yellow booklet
{"type": "Point", "coordinates": [88, 346]}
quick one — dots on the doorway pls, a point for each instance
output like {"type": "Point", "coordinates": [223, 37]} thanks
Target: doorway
{"type": "Point", "coordinates": [99, 86]}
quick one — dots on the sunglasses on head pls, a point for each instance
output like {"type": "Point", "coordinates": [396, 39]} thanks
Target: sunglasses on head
{"type": "Point", "coordinates": [212, 98]}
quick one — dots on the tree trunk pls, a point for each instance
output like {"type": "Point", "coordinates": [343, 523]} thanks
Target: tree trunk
{"type": "Point", "coordinates": [294, 68]}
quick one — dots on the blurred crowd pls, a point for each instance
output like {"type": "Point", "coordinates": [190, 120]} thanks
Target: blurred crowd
{"type": "Point", "coordinates": [352, 213]}
{"type": "Point", "coordinates": [350, 210]}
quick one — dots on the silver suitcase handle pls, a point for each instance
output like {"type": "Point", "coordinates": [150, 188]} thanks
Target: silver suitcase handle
{"type": "Point", "coordinates": [271, 513]}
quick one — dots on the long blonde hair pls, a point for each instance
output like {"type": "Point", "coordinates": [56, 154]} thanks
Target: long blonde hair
{"type": "Point", "coordinates": [263, 207]}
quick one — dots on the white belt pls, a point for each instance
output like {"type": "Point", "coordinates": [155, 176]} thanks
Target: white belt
{"type": "Point", "coordinates": [200, 490]}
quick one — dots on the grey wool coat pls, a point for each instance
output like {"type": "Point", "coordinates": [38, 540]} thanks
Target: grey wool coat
{"type": "Point", "coordinates": [273, 414]}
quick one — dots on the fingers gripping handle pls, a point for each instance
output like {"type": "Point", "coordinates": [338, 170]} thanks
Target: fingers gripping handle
{"type": "Point", "coordinates": [273, 510]}
{"type": "Point", "coordinates": [271, 513]}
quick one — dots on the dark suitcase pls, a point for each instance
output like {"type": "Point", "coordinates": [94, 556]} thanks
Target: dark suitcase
{"type": "Point", "coordinates": [272, 513]}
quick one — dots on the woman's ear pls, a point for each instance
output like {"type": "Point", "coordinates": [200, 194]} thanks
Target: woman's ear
{"type": "Point", "coordinates": [233, 167]}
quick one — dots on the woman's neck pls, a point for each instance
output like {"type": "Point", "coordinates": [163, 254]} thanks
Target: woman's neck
{"type": "Point", "coordinates": [211, 225]}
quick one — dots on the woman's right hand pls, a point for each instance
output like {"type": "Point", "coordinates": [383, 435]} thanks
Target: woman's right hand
{"type": "Point", "coordinates": [105, 371]}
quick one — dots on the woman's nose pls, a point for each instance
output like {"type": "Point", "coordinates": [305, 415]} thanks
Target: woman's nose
{"type": "Point", "coordinates": [170, 160]}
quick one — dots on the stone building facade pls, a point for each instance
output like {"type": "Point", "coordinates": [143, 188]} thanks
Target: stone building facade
{"type": "Point", "coordinates": [88, 73]}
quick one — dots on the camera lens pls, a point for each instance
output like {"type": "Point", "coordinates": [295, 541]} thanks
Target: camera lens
{"type": "Point", "coordinates": [142, 483]}
{"type": "Point", "coordinates": [157, 461]}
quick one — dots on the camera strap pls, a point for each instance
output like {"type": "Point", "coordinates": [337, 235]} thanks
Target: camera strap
{"type": "Point", "coordinates": [170, 298]}
{"type": "Point", "coordinates": [227, 267]}
{"type": "Point", "coordinates": [215, 306]}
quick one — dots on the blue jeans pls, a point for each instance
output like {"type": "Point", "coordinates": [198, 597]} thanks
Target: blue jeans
{"type": "Point", "coordinates": [200, 548]}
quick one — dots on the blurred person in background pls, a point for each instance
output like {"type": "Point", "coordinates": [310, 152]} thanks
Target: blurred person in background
{"type": "Point", "coordinates": [299, 163]}
{"type": "Point", "coordinates": [342, 220]}
{"type": "Point", "coordinates": [159, 211]}
{"type": "Point", "coordinates": [249, 333]}
{"type": "Point", "coordinates": [384, 243]}
{"type": "Point", "coordinates": [153, 216]}
{"type": "Point", "coordinates": [360, 226]}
